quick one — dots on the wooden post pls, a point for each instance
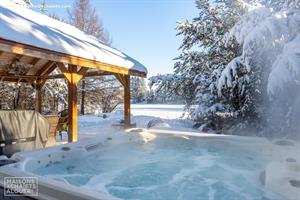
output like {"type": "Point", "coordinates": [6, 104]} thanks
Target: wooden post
{"type": "Point", "coordinates": [38, 95]}
{"type": "Point", "coordinates": [38, 99]}
{"type": "Point", "coordinates": [73, 76]}
{"type": "Point", "coordinates": [127, 101]}
{"type": "Point", "coordinates": [72, 104]}
{"type": "Point", "coordinates": [125, 81]}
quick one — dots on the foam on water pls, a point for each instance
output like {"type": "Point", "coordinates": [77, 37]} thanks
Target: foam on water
{"type": "Point", "coordinates": [167, 168]}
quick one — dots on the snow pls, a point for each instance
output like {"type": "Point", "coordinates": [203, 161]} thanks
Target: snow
{"type": "Point", "coordinates": [22, 25]}
{"type": "Point", "coordinates": [166, 111]}
{"type": "Point", "coordinates": [286, 67]}
{"type": "Point", "coordinates": [228, 74]}
{"type": "Point", "coordinates": [274, 34]}
{"type": "Point", "coordinates": [247, 24]}
{"type": "Point", "coordinates": [169, 115]}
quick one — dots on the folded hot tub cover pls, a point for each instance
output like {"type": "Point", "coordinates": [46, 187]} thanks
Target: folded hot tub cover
{"type": "Point", "coordinates": [22, 130]}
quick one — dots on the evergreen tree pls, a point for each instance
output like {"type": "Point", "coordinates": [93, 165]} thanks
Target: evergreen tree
{"type": "Point", "coordinates": [204, 56]}
{"type": "Point", "coordinates": [169, 88]}
{"type": "Point", "coordinates": [237, 52]}
{"type": "Point", "coordinates": [269, 36]}
{"type": "Point", "coordinates": [138, 89]}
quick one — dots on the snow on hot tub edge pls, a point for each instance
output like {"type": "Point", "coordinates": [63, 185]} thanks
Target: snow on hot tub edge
{"type": "Point", "coordinates": [281, 176]}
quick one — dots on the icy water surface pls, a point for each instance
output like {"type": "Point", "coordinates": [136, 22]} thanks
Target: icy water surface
{"type": "Point", "coordinates": [167, 168]}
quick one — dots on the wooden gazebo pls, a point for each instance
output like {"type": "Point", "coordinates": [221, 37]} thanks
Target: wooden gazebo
{"type": "Point", "coordinates": [45, 44]}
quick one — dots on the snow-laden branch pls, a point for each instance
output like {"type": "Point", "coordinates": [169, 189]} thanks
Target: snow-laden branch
{"type": "Point", "coordinates": [286, 67]}
{"type": "Point", "coordinates": [269, 43]}
{"type": "Point", "coordinates": [228, 75]}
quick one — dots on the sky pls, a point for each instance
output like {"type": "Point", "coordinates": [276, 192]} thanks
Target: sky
{"type": "Point", "coordinates": [143, 29]}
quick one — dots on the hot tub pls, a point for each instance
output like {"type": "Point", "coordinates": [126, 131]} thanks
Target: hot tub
{"type": "Point", "coordinates": [152, 164]}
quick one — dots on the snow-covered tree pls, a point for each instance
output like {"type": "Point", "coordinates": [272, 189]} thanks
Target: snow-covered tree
{"type": "Point", "coordinates": [204, 56]}
{"type": "Point", "coordinates": [16, 95]}
{"type": "Point", "coordinates": [102, 94]}
{"type": "Point", "coordinates": [138, 89]}
{"type": "Point", "coordinates": [240, 55]}
{"type": "Point", "coordinates": [54, 95]}
{"type": "Point", "coordinates": [269, 35]}
{"type": "Point", "coordinates": [168, 88]}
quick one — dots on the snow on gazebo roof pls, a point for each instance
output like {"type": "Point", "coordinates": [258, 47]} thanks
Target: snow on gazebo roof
{"type": "Point", "coordinates": [25, 26]}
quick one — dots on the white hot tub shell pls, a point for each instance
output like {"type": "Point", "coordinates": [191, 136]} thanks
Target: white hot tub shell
{"type": "Point", "coordinates": [277, 175]}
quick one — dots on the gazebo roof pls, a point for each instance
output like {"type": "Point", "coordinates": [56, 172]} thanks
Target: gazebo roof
{"type": "Point", "coordinates": [34, 35]}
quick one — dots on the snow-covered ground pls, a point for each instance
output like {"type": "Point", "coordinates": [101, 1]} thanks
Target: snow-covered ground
{"type": "Point", "coordinates": [162, 116]}
{"type": "Point", "coordinates": [165, 111]}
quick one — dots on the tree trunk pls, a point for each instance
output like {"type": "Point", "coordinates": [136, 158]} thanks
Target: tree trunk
{"type": "Point", "coordinates": [16, 98]}
{"type": "Point", "coordinates": [82, 97]}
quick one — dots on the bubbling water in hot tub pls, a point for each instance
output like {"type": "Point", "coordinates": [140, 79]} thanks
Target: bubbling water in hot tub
{"type": "Point", "coordinates": [167, 168]}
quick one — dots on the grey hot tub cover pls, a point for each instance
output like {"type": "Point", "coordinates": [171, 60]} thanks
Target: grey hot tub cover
{"type": "Point", "coordinates": [22, 130]}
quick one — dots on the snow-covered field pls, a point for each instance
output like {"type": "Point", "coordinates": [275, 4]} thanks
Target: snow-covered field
{"type": "Point", "coordinates": [165, 111]}
{"type": "Point", "coordinates": [164, 116]}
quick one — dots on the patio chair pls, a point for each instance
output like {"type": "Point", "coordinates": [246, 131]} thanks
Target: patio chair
{"type": "Point", "coordinates": [53, 120]}
{"type": "Point", "coordinates": [22, 130]}
{"type": "Point", "coordinates": [63, 122]}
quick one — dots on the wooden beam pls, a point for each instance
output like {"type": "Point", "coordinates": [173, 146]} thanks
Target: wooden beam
{"type": "Point", "coordinates": [50, 70]}
{"type": "Point", "coordinates": [55, 76]}
{"type": "Point", "coordinates": [34, 61]}
{"type": "Point", "coordinates": [97, 73]}
{"type": "Point", "coordinates": [4, 73]}
{"type": "Point", "coordinates": [12, 76]}
{"type": "Point", "coordinates": [121, 79]}
{"type": "Point", "coordinates": [61, 76]}
{"type": "Point", "coordinates": [83, 70]}
{"type": "Point", "coordinates": [28, 50]}
{"type": "Point", "coordinates": [45, 68]}
{"type": "Point", "coordinates": [10, 79]}
{"type": "Point", "coordinates": [127, 102]}
{"type": "Point", "coordinates": [62, 67]}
